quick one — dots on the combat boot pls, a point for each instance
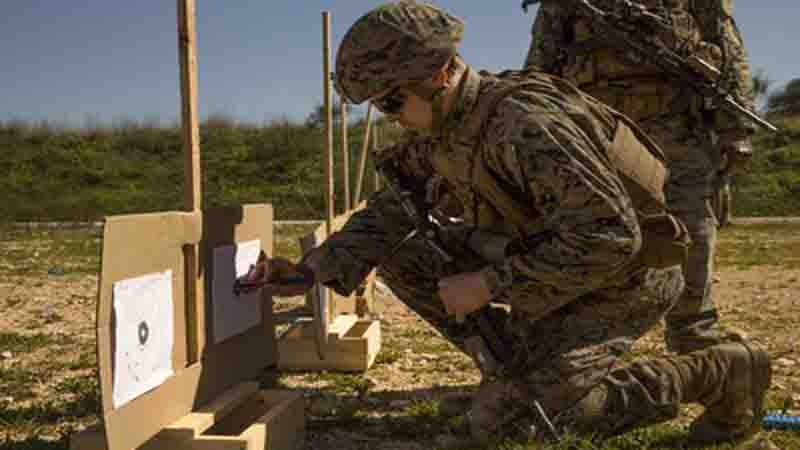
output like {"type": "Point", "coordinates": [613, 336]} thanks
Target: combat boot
{"type": "Point", "coordinates": [730, 380]}
{"type": "Point", "coordinates": [691, 333]}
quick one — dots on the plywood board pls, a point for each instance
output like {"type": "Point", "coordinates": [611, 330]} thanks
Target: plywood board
{"type": "Point", "coordinates": [352, 345]}
{"type": "Point", "coordinates": [135, 245]}
{"type": "Point", "coordinates": [241, 418]}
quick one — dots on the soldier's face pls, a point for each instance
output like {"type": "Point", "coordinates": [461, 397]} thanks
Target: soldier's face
{"type": "Point", "coordinates": [406, 108]}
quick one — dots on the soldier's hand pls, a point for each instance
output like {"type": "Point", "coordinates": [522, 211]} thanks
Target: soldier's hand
{"type": "Point", "coordinates": [464, 293]}
{"type": "Point", "coordinates": [278, 276]}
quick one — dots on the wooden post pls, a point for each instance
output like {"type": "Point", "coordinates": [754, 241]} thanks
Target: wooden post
{"type": "Point", "coordinates": [326, 77]}
{"type": "Point", "coordinates": [195, 307]}
{"type": "Point", "coordinates": [362, 162]}
{"type": "Point", "coordinates": [375, 137]}
{"type": "Point", "coordinates": [345, 157]}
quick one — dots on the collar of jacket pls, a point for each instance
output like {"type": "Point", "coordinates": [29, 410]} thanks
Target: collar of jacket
{"type": "Point", "coordinates": [464, 103]}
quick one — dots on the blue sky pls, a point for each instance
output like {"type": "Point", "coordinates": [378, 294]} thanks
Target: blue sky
{"type": "Point", "coordinates": [103, 61]}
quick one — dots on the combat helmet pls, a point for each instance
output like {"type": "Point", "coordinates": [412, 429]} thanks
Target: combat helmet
{"type": "Point", "coordinates": [397, 44]}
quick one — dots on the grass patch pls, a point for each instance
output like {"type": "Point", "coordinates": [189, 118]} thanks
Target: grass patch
{"type": "Point", "coordinates": [50, 252]}
{"type": "Point", "coordinates": [76, 398]}
{"type": "Point", "coordinates": [35, 443]}
{"type": "Point", "coordinates": [26, 343]}
{"type": "Point", "coordinates": [342, 383]}
{"type": "Point", "coordinates": [388, 355]}
{"type": "Point", "coordinates": [16, 383]}
{"type": "Point", "coordinates": [746, 246]}
{"type": "Point", "coordinates": [86, 360]}
{"type": "Point", "coordinates": [286, 242]}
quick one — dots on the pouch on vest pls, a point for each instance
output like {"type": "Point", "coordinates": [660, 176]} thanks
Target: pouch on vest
{"type": "Point", "coordinates": [665, 240]}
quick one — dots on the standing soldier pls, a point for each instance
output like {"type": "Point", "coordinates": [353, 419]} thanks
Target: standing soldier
{"type": "Point", "coordinates": [700, 144]}
{"type": "Point", "coordinates": [563, 220]}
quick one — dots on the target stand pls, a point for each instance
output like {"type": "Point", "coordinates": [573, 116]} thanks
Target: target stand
{"type": "Point", "coordinates": [207, 400]}
{"type": "Point", "coordinates": [341, 335]}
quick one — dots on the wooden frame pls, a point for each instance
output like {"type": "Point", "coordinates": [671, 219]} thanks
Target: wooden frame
{"type": "Point", "coordinates": [208, 402]}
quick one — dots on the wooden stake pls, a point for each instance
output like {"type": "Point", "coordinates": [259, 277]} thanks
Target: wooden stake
{"type": "Point", "coordinates": [326, 76]}
{"type": "Point", "coordinates": [345, 157]}
{"type": "Point", "coordinates": [362, 163]}
{"type": "Point", "coordinates": [375, 137]}
{"type": "Point", "coordinates": [195, 302]}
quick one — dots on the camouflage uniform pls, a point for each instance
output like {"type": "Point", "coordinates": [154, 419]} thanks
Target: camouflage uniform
{"type": "Point", "coordinates": [578, 294]}
{"type": "Point", "coordinates": [564, 44]}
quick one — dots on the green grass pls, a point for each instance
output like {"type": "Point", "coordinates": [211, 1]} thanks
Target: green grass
{"type": "Point", "coordinates": [62, 174]}
{"type": "Point", "coordinates": [286, 242]}
{"type": "Point", "coordinates": [49, 252]}
{"type": "Point", "coordinates": [25, 343]}
{"type": "Point", "coordinates": [17, 383]}
{"type": "Point", "coordinates": [746, 246]}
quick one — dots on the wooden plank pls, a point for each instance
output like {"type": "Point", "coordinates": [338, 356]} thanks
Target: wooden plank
{"type": "Point", "coordinates": [158, 240]}
{"type": "Point", "coordinates": [355, 350]}
{"type": "Point", "coordinates": [285, 422]}
{"type": "Point", "coordinates": [375, 146]}
{"type": "Point", "coordinates": [326, 77]}
{"type": "Point", "coordinates": [345, 156]}
{"type": "Point", "coordinates": [362, 162]}
{"type": "Point", "coordinates": [141, 419]}
{"type": "Point", "coordinates": [187, 38]}
{"type": "Point", "coordinates": [243, 418]}
{"type": "Point", "coordinates": [195, 423]}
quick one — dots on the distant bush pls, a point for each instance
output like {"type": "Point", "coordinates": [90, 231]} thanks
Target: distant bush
{"type": "Point", "coordinates": [49, 172]}
{"type": "Point", "coordinates": [772, 185]}
{"type": "Point", "coordinates": [52, 173]}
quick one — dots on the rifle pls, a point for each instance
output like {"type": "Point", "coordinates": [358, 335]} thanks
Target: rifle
{"type": "Point", "coordinates": [485, 345]}
{"type": "Point", "coordinates": [630, 27]}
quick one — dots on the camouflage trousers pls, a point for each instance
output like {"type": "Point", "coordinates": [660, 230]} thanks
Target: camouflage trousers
{"type": "Point", "coordinates": [560, 359]}
{"type": "Point", "coordinates": [692, 162]}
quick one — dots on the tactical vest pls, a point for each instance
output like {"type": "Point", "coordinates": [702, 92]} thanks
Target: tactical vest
{"type": "Point", "coordinates": [637, 159]}
{"type": "Point", "coordinates": [640, 91]}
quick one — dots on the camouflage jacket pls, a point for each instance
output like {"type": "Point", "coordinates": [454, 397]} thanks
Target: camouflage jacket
{"type": "Point", "coordinates": [704, 27]}
{"type": "Point", "coordinates": [546, 146]}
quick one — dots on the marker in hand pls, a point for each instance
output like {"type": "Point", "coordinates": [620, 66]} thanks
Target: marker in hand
{"type": "Point", "coordinates": [251, 281]}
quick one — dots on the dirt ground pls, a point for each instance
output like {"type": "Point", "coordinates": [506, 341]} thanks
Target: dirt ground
{"type": "Point", "coordinates": [47, 386]}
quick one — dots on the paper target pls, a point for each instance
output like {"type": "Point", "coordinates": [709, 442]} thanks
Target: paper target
{"type": "Point", "coordinates": [143, 335]}
{"type": "Point", "coordinates": [234, 314]}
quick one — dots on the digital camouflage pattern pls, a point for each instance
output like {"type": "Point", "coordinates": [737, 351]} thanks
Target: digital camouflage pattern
{"type": "Point", "coordinates": [416, 40]}
{"type": "Point", "coordinates": [692, 139]}
{"type": "Point", "coordinates": [564, 44]}
{"type": "Point", "coordinates": [577, 299]}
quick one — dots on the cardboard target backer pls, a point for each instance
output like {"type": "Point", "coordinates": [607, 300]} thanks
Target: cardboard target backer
{"type": "Point", "coordinates": [146, 318]}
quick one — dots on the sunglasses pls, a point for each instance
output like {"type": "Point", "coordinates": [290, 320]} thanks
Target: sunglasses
{"type": "Point", "coordinates": [391, 103]}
